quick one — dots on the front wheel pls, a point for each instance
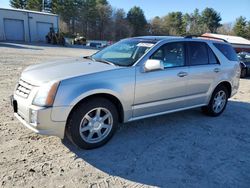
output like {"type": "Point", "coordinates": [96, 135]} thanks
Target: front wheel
{"type": "Point", "coordinates": [93, 123]}
{"type": "Point", "coordinates": [217, 102]}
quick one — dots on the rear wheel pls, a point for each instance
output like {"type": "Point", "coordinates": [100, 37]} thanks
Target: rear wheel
{"type": "Point", "coordinates": [93, 123]}
{"type": "Point", "coordinates": [217, 102]}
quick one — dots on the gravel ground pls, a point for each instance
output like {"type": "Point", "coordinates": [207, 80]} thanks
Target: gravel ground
{"type": "Point", "coordinates": [185, 149]}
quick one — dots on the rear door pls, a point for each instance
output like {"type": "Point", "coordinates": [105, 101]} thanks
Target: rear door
{"type": "Point", "coordinates": [204, 69]}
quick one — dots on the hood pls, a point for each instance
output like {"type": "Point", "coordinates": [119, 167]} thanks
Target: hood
{"type": "Point", "coordinates": [59, 70]}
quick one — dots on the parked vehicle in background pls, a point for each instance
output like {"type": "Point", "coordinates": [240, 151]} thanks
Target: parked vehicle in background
{"type": "Point", "coordinates": [98, 43]}
{"type": "Point", "coordinates": [133, 79]}
{"type": "Point", "coordinates": [244, 58]}
{"type": "Point", "coordinates": [95, 44]}
{"type": "Point", "coordinates": [79, 40]}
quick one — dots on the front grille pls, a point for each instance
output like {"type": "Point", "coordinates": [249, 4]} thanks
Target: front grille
{"type": "Point", "coordinates": [23, 88]}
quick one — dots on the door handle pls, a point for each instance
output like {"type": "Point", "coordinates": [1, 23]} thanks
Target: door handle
{"type": "Point", "coordinates": [182, 74]}
{"type": "Point", "coordinates": [216, 70]}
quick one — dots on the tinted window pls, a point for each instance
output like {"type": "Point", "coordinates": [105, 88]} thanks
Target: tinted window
{"type": "Point", "coordinates": [227, 51]}
{"type": "Point", "coordinates": [172, 54]}
{"type": "Point", "coordinates": [198, 53]}
{"type": "Point", "coordinates": [212, 58]}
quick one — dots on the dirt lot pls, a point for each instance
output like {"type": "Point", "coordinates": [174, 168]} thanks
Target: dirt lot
{"type": "Point", "coordinates": [185, 149]}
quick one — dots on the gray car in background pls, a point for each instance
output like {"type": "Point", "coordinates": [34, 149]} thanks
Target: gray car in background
{"type": "Point", "coordinates": [135, 78]}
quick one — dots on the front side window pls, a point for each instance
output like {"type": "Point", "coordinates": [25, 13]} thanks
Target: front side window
{"type": "Point", "coordinates": [198, 54]}
{"type": "Point", "coordinates": [171, 54]}
{"type": "Point", "coordinates": [125, 52]}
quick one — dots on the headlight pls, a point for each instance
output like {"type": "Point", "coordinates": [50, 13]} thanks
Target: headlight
{"type": "Point", "coordinates": [46, 94]}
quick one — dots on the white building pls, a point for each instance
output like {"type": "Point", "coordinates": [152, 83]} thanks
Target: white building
{"type": "Point", "coordinates": [240, 44]}
{"type": "Point", "coordinates": [26, 25]}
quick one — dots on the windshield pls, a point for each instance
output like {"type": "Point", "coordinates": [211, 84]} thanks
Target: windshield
{"type": "Point", "coordinates": [125, 52]}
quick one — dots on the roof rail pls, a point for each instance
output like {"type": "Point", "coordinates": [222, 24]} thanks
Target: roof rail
{"type": "Point", "coordinates": [209, 37]}
{"type": "Point", "coordinates": [190, 36]}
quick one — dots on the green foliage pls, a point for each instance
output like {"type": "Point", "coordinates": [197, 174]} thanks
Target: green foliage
{"type": "Point", "coordinates": [194, 23]}
{"type": "Point", "coordinates": [240, 27]}
{"type": "Point", "coordinates": [177, 23]}
{"type": "Point", "coordinates": [248, 30]}
{"type": "Point", "coordinates": [173, 24]}
{"type": "Point", "coordinates": [96, 19]}
{"type": "Point", "coordinates": [121, 26]}
{"type": "Point", "coordinates": [21, 4]}
{"type": "Point", "coordinates": [211, 19]}
{"type": "Point", "coordinates": [157, 26]}
{"type": "Point", "coordinates": [35, 5]}
{"type": "Point", "coordinates": [137, 20]}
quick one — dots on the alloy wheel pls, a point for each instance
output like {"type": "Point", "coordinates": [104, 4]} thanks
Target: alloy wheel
{"type": "Point", "coordinates": [96, 125]}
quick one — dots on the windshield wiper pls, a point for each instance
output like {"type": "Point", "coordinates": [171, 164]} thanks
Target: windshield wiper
{"type": "Point", "coordinates": [105, 61]}
{"type": "Point", "coordinates": [89, 57]}
{"type": "Point", "coordinates": [99, 60]}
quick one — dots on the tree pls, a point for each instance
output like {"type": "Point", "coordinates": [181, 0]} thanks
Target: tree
{"type": "Point", "coordinates": [36, 5]}
{"type": "Point", "coordinates": [248, 30]}
{"type": "Point", "coordinates": [68, 10]}
{"type": "Point", "coordinates": [121, 26]}
{"type": "Point", "coordinates": [87, 18]}
{"type": "Point", "coordinates": [104, 13]}
{"type": "Point", "coordinates": [173, 24]}
{"type": "Point", "coordinates": [137, 20]}
{"type": "Point", "coordinates": [226, 29]}
{"type": "Point", "coordinates": [240, 27]}
{"type": "Point", "coordinates": [211, 19]}
{"type": "Point", "coordinates": [21, 4]}
{"type": "Point", "coordinates": [54, 6]}
{"type": "Point", "coordinates": [194, 23]}
{"type": "Point", "coordinates": [156, 26]}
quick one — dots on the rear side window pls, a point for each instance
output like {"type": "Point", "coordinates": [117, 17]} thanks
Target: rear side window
{"type": "Point", "coordinates": [198, 53]}
{"type": "Point", "coordinates": [227, 51]}
{"type": "Point", "coordinates": [212, 58]}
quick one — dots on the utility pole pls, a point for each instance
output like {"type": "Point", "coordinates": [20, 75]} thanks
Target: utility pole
{"type": "Point", "coordinates": [43, 6]}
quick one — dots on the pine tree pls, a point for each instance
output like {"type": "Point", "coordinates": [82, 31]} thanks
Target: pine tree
{"type": "Point", "coordinates": [240, 27]}
{"type": "Point", "coordinates": [211, 19]}
{"type": "Point", "coordinates": [21, 4]}
{"type": "Point", "coordinates": [35, 5]}
{"type": "Point", "coordinates": [137, 20]}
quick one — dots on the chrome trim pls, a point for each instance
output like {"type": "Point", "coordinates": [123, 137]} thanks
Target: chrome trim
{"type": "Point", "coordinates": [23, 88]}
{"type": "Point", "coordinates": [166, 112]}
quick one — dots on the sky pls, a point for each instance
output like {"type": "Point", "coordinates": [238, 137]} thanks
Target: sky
{"type": "Point", "coordinates": [229, 9]}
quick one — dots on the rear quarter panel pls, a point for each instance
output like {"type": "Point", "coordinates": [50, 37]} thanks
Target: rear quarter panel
{"type": "Point", "coordinates": [230, 72]}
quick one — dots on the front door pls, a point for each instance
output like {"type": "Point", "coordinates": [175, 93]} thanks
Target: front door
{"type": "Point", "coordinates": [162, 90]}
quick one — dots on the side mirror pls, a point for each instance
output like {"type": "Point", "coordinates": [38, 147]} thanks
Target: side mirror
{"type": "Point", "coordinates": [153, 64]}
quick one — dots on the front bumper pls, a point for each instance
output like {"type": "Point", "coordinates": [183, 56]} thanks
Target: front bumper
{"type": "Point", "coordinates": [44, 125]}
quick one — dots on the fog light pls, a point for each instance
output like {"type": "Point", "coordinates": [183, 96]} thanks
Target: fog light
{"type": "Point", "coordinates": [33, 117]}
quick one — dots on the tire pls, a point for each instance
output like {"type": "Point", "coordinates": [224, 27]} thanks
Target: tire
{"type": "Point", "coordinates": [92, 123]}
{"type": "Point", "coordinates": [243, 73]}
{"type": "Point", "coordinates": [211, 109]}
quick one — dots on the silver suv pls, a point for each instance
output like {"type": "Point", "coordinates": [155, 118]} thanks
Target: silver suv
{"type": "Point", "coordinates": [135, 78]}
